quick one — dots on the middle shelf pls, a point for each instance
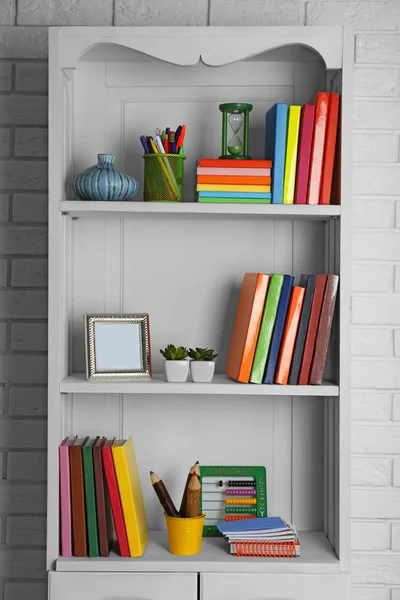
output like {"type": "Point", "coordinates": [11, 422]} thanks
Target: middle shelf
{"type": "Point", "coordinates": [221, 385]}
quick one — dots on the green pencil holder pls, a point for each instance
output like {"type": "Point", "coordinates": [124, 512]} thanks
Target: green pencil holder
{"type": "Point", "coordinates": [163, 177]}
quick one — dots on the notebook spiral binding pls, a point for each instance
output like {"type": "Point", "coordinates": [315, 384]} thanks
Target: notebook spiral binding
{"type": "Point", "coordinates": [266, 549]}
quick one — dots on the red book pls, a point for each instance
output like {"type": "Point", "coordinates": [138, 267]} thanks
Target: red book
{"type": "Point", "coordinates": [100, 498]}
{"type": "Point", "coordinates": [115, 500]}
{"type": "Point", "coordinates": [247, 326]}
{"type": "Point", "coordinates": [324, 330]}
{"type": "Point", "coordinates": [232, 162]}
{"type": "Point", "coordinates": [312, 329]}
{"type": "Point", "coordinates": [336, 179]}
{"type": "Point", "coordinates": [321, 101]}
{"type": "Point", "coordinates": [304, 157]}
{"type": "Point", "coordinates": [330, 148]}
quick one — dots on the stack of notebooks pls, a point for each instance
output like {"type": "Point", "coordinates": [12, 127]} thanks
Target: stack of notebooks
{"type": "Point", "coordinates": [281, 332]}
{"type": "Point", "coordinates": [96, 473]}
{"type": "Point", "coordinates": [301, 142]}
{"type": "Point", "coordinates": [268, 537]}
{"type": "Point", "coordinates": [234, 181]}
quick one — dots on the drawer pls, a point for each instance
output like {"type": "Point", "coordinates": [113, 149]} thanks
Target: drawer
{"type": "Point", "coordinates": [122, 586]}
{"type": "Point", "coordinates": [256, 586]}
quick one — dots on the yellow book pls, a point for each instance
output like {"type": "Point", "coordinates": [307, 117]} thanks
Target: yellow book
{"type": "Point", "coordinates": [131, 496]}
{"type": "Point", "coordinates": [291, 154]}
{"type": "Point", "coordinates": [221, 187]}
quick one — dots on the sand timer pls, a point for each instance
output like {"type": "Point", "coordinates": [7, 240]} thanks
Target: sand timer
{"type": "Point", "coordinates": [236, 114]}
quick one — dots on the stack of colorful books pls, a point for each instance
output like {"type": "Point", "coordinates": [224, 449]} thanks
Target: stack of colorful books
{"type": "Point", "coordinates": [282, 331]}
{"type": "Point", "coordinates": [268, 537]}
{"type": "Point", "coordinates": [84, 519]}
{"type": "Point", "coordinates": [234, 181]}
{"type": "Point", "coordinates": [302, 143]}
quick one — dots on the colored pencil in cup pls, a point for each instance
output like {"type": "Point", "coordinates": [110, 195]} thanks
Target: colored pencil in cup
{"type": "Point", "coordinates": [163, 495]}
{"type": "Point", "coordinates": [193, 496]}
{"type": "Point", "coordinates": [194, 469]}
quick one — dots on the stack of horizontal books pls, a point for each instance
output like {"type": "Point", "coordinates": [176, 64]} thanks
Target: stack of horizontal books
{"type": "Point", "coordinates": [234, 181]}
{"type": "Point", "coordinates": [268, 537]}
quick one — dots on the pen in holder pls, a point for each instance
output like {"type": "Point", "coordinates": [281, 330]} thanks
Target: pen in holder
{"type": "Point", "coordinates": [163, 177]}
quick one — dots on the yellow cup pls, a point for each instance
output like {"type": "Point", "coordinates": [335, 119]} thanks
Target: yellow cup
{"type": "Point", "coordinates": [185, 535]}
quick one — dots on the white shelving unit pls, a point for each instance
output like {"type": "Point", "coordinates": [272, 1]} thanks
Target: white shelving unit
{"type": "Point", "coordinates": [183, 263]}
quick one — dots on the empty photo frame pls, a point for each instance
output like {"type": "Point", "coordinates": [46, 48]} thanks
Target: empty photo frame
{"type": "Point", "coordinates": [117, 346]}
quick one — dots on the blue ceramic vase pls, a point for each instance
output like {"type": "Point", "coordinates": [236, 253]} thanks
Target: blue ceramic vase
{"type": "Point", "coordinates": [104, 182]}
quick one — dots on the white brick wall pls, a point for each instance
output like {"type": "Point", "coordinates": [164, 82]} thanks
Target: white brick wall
{"type": "Point", "coordinates": [375, 400]}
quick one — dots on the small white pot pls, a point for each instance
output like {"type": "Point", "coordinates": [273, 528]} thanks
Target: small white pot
{"type": "Point", "coordinates": [176, 371]}
{"type": "Point", "coordinates": [202, 370]}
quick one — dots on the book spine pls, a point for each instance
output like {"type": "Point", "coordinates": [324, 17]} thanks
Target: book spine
{"type": "Point", "coordinates": [289, 335]}
{"type": "Point", "coordinates": [213, 200]}
{"type": "Point", "coordinates": [278, 329]}
{"type": "Point", "coordinates": [65, 502]}
{"type": "Point", "coordinates": [231, 162]}
{"type": "Point", "coordinates": [77, 502]}
{"type": "Point", "coordinates": [100, 502]}
{"type": "Point", "coordinates": [266, 328]}
{"type": "Point", "coordinates": [115, 501]}
{"type": "Point", "coordinates": [304, 153]}
{"type": "Point", "coordinates": [247, 325]}
{"type": "Point", "coordinates": [324, 330]}
{"type": "Point", "coordinates": [261, 195]}
{"type": "Point", "coordinates": [275, 147]}
{"type": "Point", "coordinates": [234, 171]}
{"type": "Point", "coordinates": [330, 149]}
{"type": "Point", "coordinates": [291, 154]}
{"type": "Point", "coordinates": [235, 179]}
{"type": "Point", "coordinates": [90, 501]}
{"type": "Point", "coordinates": [318, 145]}
{"type": "Point", "coordinates": [312, 330]}
{"type": "Point", "coordinates": [308, 282]}
{"type": "Point", "coordinates": [220, 187]}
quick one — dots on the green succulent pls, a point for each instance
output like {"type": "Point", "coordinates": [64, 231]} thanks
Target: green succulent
{"type": "Point", "coordinates": [172, 353]}
{"type": "Point", "coordinates": [202, 354]}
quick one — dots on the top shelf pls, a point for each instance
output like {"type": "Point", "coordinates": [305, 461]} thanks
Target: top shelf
{"type": "Point", "coordinates": [89, 209]}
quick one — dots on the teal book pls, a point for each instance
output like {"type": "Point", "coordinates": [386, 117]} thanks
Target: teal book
{"type": "Point", "coordinates": [212, 200]}
{"type": "Point", "coordinates": [266, 328]}
{"type": "Point", "coordinates": [90, 499]}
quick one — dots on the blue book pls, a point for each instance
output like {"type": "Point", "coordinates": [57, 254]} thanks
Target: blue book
{"type": "Point", "coordinates": [280, 321]}
{"type": "Point", "coordinates": [234, 194]}
{"type": "Point", "coordinates": [261, 523]}
{"type": "Point", "coordinates": [275, 147]}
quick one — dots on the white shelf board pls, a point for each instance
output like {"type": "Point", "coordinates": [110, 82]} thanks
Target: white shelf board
{"type": "Point", "coordinates": [317, 556]}
{"type": "Point", "coordinates": [87, 209]}
{"type": "Point", "coordinates": [78, 384]}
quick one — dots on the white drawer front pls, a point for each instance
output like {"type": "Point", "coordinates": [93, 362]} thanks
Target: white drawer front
{"type": "Point", "coordinates": [257, 586]}
{"type": "Point", "coordinates": [122, 586]}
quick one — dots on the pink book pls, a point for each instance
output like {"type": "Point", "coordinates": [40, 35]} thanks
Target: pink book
{"type": "Point", "coordinates": [233, 171]}
{"type": "Point", "coordinates": [304, 155]}
{"type": "Point", "coordinates": [65, 498]}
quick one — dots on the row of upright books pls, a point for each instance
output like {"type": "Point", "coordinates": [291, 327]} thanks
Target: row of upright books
{"type": "Point", "coordinates": [281, 332]}
{"type": "Point", "coordinates": [97, 474]}
{"type": "Point", "coordinates": [302, 142]}
{"type": "Point", "coordinates": [232, 181]}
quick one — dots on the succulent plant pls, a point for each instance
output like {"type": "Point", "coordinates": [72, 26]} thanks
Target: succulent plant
{"type": "Point", "coordinates": [172, 353]}
{"type": "Point", "coordinates": [202, 354]}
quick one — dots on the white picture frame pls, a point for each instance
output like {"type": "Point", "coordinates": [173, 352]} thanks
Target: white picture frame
{"type": "Point", "coordinates": [117, 346]}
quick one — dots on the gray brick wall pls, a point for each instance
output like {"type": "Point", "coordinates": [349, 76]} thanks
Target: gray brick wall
{"type": "Point", "coordinates": [375, 339]}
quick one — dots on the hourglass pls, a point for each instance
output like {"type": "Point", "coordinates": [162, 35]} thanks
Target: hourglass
{"type": "Point", "coordinates": [237, 115]}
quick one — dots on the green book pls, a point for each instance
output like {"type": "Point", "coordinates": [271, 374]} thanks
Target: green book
{"type": "Point", "coordinates": [234, 200]}
{"type": "Point", "coordinates": [266, 328]}
{"type": "Point", "coordinates": [90, 499]}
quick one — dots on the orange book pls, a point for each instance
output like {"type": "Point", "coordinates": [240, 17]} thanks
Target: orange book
{"type": "Point", "coordinates": [289, 335]}
{"type": "Point", "coordinates": [238, 179]}
{"type": "Point", "coordinates": [330, 149]}
{"type": "Point", "coordinates": [321, 101]}
{"type": "Point", "coordinates": [247, 326]}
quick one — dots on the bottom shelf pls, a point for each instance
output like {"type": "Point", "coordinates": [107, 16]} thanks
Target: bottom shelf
{"type": "Point", "coordinates": [317, 556]}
